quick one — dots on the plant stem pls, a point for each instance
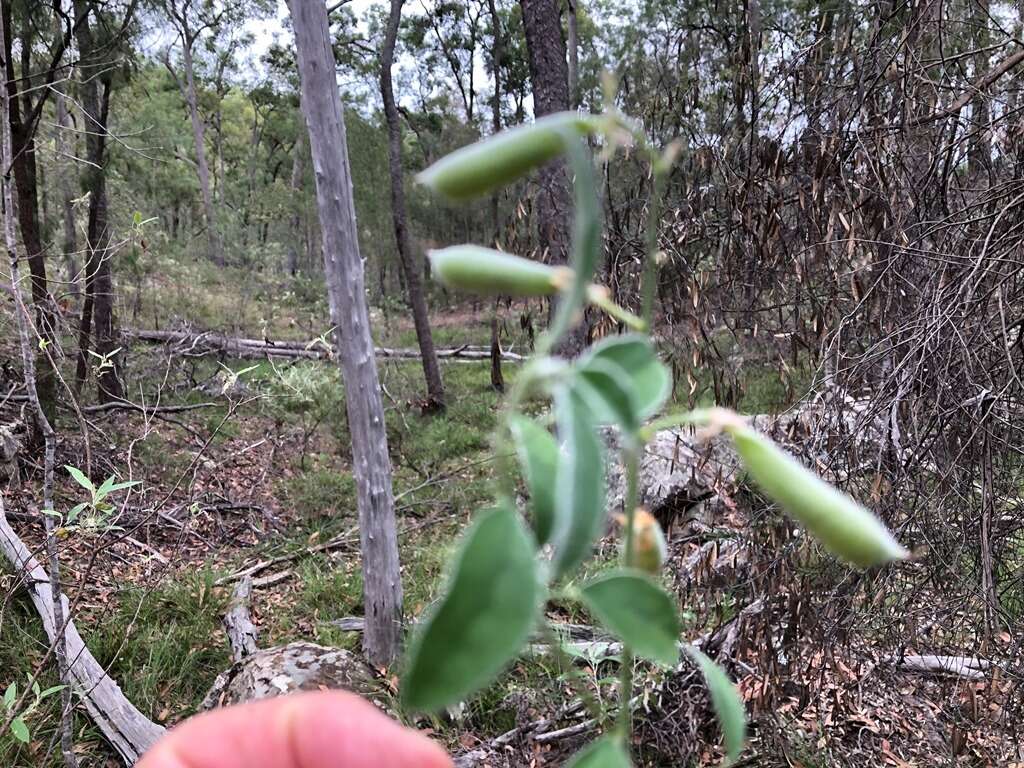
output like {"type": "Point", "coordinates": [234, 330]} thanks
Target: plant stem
{"type": "Point", "coordinates": [650, 275]}
{"type": "Point", "coordinates": [631, 458]}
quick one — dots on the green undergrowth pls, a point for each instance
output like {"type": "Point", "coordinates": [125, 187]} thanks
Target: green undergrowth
{"type": "Point", "coordinates": [163, 641]}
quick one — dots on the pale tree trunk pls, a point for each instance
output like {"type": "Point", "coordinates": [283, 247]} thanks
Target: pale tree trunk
{"type": "Point", "coordinates": [188, 92]}
{"type": "Point", "coordinates": [202, 168]}
{"type": "Point", "coordinates": [343, 267]}
{"type": "Point", "coordinates": [497, 54]}
{"type": "Point", "coordinates": [413, 281]}
{"type": "Point", "coordinates": [298, 162]}
{"type": "Point", "coordinates": [98, 304]}
{"type": "Point", "coordinates": [549, 76]}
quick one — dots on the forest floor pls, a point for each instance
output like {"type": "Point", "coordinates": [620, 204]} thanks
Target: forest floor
{"type": "Point", "coordinates": [261, 472]}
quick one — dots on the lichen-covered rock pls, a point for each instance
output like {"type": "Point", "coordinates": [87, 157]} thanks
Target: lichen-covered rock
{"type": "Point", "coordinates": [295, 667]}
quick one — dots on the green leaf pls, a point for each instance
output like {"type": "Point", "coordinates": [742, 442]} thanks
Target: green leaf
{"type": "Point", "coordinates": [109, 486]}
{"type": "Point", "coordinates": [484, 618]}
{"type": "Point", "coordinates": [846, 528]}
{"type": "Point", "coordinates": [504, 157]}
{"type": "Point", "coordinates": [20, 730]}
{"type": "Point", "coordinates": [10, 695]}
{"type": "Point", "coordinates": [50, 691]}
{"type": "Point", "coordinates": [649, 379]}
{"type": "Point", "coordinates": [729, 709]}
{"type": "Point", "coordinates": [580, 484]}
{"type": "Point", "coordinates": [538, 456]}
{"type": "Point", "coordinates": [607, 389]}
{"type": "Point", "coordinates": [637, 611]}
{"type": "Point", "coordinates": [606, 752]}
{"type": "Point", "coordinates": [80, 478]}
{"type": "Point", "coordinates": [35, 689]}
{"type": "Point", "coordinates": [75, 511]}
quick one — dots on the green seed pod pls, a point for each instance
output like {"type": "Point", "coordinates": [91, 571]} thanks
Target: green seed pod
{"type": "Point", "coordinates": [847, 529]}
{"type": "Point", "coordinates": [494, 162]}
{"type": "Point", "coordinates": [483, 270]}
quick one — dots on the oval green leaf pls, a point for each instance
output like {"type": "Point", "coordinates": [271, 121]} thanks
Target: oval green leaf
{"type": "Point", "coordinates": [607, 389]}
{"type": "Point", "coordinates": [637, 611]}
{"type": "Point", "coordinates": [484, 618]}
{"type": "Point", "coordinates": [649, 379]}
{"type": "Point", "coordinates": [579, 484]}
{"type": "Point", "coordinates": [538, 457]}
{"type": "Point", "coordinates": [606, 752]}
{"type": "Point", "coordinates": [847, 529]}
{"type": "Point", "coordinates": [729, 709]}
{"type": "Point", "coordinates": [496, 161]}
{"type": "Point", "coordinates": [482, 270]}
{"type": "Point", "coordinates": [20, 730]}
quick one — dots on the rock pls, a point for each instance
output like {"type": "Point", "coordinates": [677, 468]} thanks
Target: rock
{"type": "Point", "coordinates": [294, 667]}
{"type": "Point", "coordinates": [683, 475]}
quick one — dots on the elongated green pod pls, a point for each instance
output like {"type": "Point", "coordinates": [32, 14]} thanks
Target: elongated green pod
{"type": "Point", "coordinates": [496, 161]}
{"type": "Point", "coordinates": [846, 528]}
{"type": "Point", "coordinates": [486, 271]}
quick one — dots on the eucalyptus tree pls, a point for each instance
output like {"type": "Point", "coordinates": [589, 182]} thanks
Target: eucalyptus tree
{"type": "Point", "coordinates": [413, 279]}
{"type": "Point", "coordinates": [100, 28]}
{"type": "Point", "coordinates": [321, 105]}
{"type": "Point", "coordinates": [549, 75]}
{"type": "Point", "coordinates": [43, 33]}
{"type": "Point", "coordinates": [196, 21]}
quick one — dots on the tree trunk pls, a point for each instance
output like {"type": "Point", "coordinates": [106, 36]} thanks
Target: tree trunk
{"type": "Point", "coordinates": [497, 55]}
{"type": "Point", "coordinates": [65, 181]}
{"type": "Point", "coordinates": [549, 76]}
{"type": "Point", "coordinates": [98, 305]}
{"type": "Point", "coordinates": [24, 166]}
{"type": "Point", "coordinates": [298, 161]}
{"type": "Point", "coordinates": [199, 137]}
{"type": "Point", "coordinates": [321, 104]}
{"type": "Point", "coordinates": [572, 8]}
{"type": "Point", "coordinates": [413, 283]}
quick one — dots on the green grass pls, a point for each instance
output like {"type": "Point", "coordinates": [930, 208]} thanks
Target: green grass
{"type": "Point", "coordinates": [164, 648]}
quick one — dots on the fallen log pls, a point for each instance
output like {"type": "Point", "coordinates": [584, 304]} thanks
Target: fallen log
{"type": "Point", "coordinates": [238, 624]}
{"type": "Point", "coordinates": [206, 343]}
{"type": "Point", "coordinates": [967, 667]}
{"type": "Point", "coordinates": [129, 731]}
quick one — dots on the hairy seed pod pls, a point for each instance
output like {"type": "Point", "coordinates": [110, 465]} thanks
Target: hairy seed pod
{"type": "Point", "coordinates": [847, 529]}
{"type": "Point", "coordinates": [648, 546]}
{"type": "Point", "coordinates": [486, 271]}
{"type": "Point", "coordinates": [496, 161]}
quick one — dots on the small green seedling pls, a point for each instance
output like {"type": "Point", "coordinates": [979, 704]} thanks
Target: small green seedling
{"type": "Point", "coordinates": [94, 513]}
{"type": "Point", "coordinates": [18, 726]}
{"type": "Point", "coordinates": [506, 570]}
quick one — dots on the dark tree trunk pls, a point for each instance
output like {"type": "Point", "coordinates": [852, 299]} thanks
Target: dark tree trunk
{"type": "Point", "coordinates": [497, 54]}
{"type": "Point", "coordinates": [321, 104]}
{"type": "Point", "coordinates": [413, 283]}
{"type": "Point", "coordinates": [549, 75]}
{"type": "Point", "coordinates": [98, 306]}
{"type": "Point", "coordinates": [23, 148]}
